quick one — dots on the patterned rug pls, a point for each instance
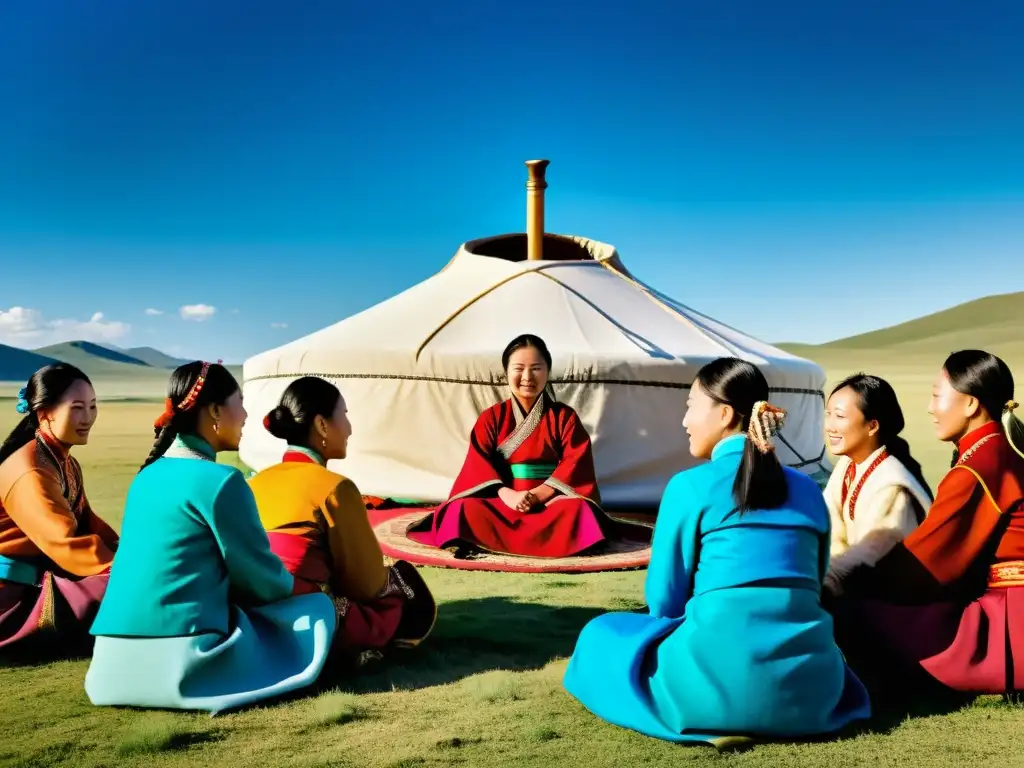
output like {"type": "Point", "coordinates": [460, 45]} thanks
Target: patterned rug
{"type": "Point", "coordinates": [390, 530]}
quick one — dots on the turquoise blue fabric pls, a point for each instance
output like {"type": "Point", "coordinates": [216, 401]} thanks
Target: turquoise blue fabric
{"type": "Point", "coordinates": [198, 613]}
{"type": "Point", "coordinates": [735, 641]}
{"type": "Point", "coordinates": [18, 571]}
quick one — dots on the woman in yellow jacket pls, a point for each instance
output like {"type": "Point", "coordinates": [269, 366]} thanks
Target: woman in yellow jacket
{"type": "Point", "coordinates": [317, 524]}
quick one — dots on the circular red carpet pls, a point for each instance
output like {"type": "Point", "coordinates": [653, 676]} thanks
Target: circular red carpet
{"type": "Point", "coordinates": [620, 556]}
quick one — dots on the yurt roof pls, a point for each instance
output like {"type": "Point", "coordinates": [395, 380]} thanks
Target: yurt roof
{"type": "Point", "coordinates": [595, 316]}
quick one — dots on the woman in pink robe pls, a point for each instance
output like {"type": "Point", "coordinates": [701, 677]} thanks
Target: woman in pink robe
{"type": "Point", "coordinates": [527, 486]}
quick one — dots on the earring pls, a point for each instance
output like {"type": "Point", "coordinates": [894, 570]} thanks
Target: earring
{"type": "Point", "coordinates": [216, 427]}
{"type": "Point", "coordinates": [323, 443]}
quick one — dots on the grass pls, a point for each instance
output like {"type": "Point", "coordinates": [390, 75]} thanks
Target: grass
{"type": "Point", "coordinates": [485, 690]}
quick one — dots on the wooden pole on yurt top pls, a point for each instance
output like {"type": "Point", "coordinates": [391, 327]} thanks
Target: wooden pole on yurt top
{"type": "Point", "coordinates": [535, 186]}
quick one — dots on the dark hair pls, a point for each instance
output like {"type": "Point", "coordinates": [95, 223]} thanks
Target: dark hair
{"type": "Point", "coordinates": [525, 341]}
{"type": "Point", "coordinates": [217, 388]}
{"type": "Point", "coordinates": [988, 379]}
{"type": "Point", "coordinates": [983, 376]}
{"type": "Point", "coordinates": [304, 400]}
{"type": "Point", "coordinates": [44, 389]}
{"type": "Point", "coordinates": [877, 400]}
{"type": "Point", "coordinates": [760, 482]}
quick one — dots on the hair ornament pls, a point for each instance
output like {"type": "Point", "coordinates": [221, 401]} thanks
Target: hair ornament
{"type": "Point", "coordinates": [765, 422]}
{"type": "Point", "coordinates": [170, 409]}
{"type": "Point", "coordinates": [1011, 405]}
{"type": "Point", "coordinates": [165, 418]}
{"type": "Point", "coordinates": [266, 422]}
{"type": "Point", "coordinates": [22, 406]}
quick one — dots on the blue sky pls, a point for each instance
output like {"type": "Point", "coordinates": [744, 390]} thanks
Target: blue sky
{"type": "Point", "coordinates": [803, 171]}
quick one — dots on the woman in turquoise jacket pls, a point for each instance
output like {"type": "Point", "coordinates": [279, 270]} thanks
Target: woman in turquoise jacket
{"type": "Point", "coordinates": [199, 612]}
{"type": "Point", "coordinates": [736, 642]}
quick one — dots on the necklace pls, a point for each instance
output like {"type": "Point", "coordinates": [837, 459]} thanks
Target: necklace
{"type": "Point", "coordinates": [860, 484]}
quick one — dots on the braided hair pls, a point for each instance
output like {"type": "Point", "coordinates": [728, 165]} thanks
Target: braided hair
{"type": "Point", "coordinates": [191, 387]}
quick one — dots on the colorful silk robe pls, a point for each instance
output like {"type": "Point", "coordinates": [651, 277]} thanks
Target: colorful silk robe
{"type": "Point", "coordinates": [199, 613]}
{"type": "Point", "coordinates": [735, 641]}
{"type": "Point", "coordinates": [947, 603]}
{"type": "Point", "coordinates": [511, 448]}
{"type": "Point", "coordinates": [55, 552]}
{"type": "Point", "coordinates": [317, 524]}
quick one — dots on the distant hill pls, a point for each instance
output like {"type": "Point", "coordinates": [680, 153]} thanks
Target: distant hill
{"type": "Point", "coordinates": [155, 357]}
{"type": "Point", "coordinates": [135, 372]}
{"type": "Point", "coordinates": [18, 364]}
{"type": "Point", "coordinates": [993, 323]}
{"type": "Point", "coordinates": [82, 353]}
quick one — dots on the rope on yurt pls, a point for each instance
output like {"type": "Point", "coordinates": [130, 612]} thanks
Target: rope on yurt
{"type": "Point", "coordinates": [714, 338]}
{"type": "Point", "coordinates": [466, 305]}
{"type": "Point", "coordinates": [672, 310]}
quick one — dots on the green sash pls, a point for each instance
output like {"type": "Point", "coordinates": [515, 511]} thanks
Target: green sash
{"type": "Point", "coordinates": [533, 471]}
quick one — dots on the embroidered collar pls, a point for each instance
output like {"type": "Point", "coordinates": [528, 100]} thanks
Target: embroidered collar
{"type": "Point", "coordinates": [191, 447]}
{"type": "Point", "coordinates": [869, 460]}
{"type": "Point", "coordinates": [60, 453]}
{"type": "Point", "coordinates": [298, 453]}
{"type": "Point", "coordinates": [975, 436]}
{"type": "Point", "coordinates": [728, 446]}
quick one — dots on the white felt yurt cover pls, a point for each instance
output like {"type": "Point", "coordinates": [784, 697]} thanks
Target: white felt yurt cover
{"type": "Point", "coordinates": [417, 369]}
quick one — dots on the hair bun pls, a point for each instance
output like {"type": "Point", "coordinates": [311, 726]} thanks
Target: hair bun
{"type": "Point", "coordinates": [279, 422]}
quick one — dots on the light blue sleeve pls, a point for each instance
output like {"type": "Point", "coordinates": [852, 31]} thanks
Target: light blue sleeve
{"type": "Point", "coordinates": [254, 571]}
{"type": "Point", "coordinates": [674, 550]}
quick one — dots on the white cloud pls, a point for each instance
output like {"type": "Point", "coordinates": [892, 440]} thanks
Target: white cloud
{"type": "Point", "coordinates": [197, 312]}
{"type": "Point", "coordinates": [154, 312]}
{"type": "Point", "coordinates": [24, 327]}
{"type": "Point", "coordinates": [279, 325]}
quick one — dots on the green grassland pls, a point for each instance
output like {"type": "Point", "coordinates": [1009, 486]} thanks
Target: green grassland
{"type": "Point", "coordinates": [486, 689]}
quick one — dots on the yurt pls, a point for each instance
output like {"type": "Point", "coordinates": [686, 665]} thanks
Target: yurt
{"type": "Point", "coordinates": [417, 369]}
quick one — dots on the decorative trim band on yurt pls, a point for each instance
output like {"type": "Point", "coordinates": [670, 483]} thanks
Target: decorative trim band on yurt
{"type": "Point", "coordinates": [503, 383]}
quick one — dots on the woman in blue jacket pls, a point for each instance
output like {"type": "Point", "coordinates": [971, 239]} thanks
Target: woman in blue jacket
{"type": "Point", "coordinates": [736, 642]}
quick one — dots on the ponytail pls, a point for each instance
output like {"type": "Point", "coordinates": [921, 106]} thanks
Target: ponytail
{"type": "Point", "coordinates": [1013, 428]}
{"type": "Point", "coordinates": [760, 481]}
{"type": "Point", "coordinates": [163, 439]}
{"type": "Point", "coordinates": [24, 432]}
{"type": "Point", "coordinates": [899, 449]}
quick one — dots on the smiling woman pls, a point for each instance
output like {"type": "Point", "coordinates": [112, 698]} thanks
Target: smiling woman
{"type": "Point", "coordinates": [877, 493]}
{"type": "Point", "coordinates": [55, 553]}
{"type": "Point", "coordinates": [527, 486]}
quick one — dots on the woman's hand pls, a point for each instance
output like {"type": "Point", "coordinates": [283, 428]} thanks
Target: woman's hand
{"type": "Point", "coordinates": [520, 501]}
{"type": "Point", "coordinates": [510, 498]}
{"type": "Point", "coordinates": [528, 502]}
{"type": "Point", "coordinates": [831, 584]}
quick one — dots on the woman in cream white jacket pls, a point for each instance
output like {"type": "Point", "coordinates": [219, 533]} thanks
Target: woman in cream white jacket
{"type": "Point", "coordinates": [877, 493]}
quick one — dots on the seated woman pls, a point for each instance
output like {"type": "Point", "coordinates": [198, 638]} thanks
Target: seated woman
{"type": "Point", "coordinates": [877, 493]}
{"type": "Point", "coordinates": [527, 486]}
{"type": "Point", "coordinates": [54, 550]}
{"type": "Point", "coordinates": [318, 526]}
{"type": "Point", "coordinates": [736, 642]}
{"type": "Point", "coordinates": [199, 613]}
{"type": "Point", "coordinates": [943, 610]}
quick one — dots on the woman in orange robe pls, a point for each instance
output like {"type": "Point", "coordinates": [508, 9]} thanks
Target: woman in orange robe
{"type": "Point", "coordinates": [527, 486]}
{"type": "Point", "coordinates": [946, 605]}
{"type": "Point", "coordinates": [55, 552]}
{"type": "Point", "coordinates": [317, 524]}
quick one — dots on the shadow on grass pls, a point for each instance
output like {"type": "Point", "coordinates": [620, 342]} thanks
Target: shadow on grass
{"type": "Point", "coordinates": [883, 722]}
{"type": "Point", "coordinates": [479, 635]}
{"type": "Point", "coordinates": [470, 637]}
